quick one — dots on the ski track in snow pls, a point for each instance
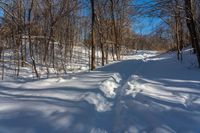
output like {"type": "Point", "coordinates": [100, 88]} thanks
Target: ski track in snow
{"type": "Point", "coordinates": [150, 94]}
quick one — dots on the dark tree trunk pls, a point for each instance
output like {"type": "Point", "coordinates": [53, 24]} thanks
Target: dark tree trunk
{"type": "Point", "coordinates": [192, 28]}
{"type": "Point", "coordinates": [93, 66]}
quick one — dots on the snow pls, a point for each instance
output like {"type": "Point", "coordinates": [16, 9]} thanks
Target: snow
{"type": "Point", "coordinates": [147, 92]}
{"type": "Point", "coordinates": [110, 85]}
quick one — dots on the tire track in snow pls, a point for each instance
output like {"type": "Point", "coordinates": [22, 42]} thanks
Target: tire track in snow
{"type": "Point", "coordinates": [119, 102]}
{"type": "Point", "coordinates": [120, 109]}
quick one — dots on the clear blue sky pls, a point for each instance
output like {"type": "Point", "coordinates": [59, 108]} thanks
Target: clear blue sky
{"type": "Point", "coordinates": [145, 25]}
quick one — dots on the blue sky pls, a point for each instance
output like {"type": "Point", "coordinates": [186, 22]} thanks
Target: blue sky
{"type": "Point", "coordinates": [145, 25]}
{"type": "Point", "coordinates": [1, 12]}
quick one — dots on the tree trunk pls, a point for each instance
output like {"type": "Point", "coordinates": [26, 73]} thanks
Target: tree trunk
{"type": "Point", "coordinates": [192, 28]}
{"type": "Point", "coordinates": [29, 38]}
{"type": "Point", "coordinates": [93, 66]}
{"type": "Point", "coordinates": [117, 49]}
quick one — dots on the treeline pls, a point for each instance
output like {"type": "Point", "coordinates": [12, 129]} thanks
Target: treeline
{"type": "Point", "coordinates": [45, 32]}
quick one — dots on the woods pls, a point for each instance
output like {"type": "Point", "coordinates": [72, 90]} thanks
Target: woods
{"type": "Point", "coordinates": [45, 34]}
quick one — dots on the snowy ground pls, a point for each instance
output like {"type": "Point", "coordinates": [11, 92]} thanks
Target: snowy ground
{"type": "Point", "coordinates": [145, 93]}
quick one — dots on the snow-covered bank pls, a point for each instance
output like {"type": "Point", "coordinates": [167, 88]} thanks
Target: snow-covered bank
{"type": "Point", "coordinates": [71, 104]}
{"type": "Point", "coordinates": [146, 93]}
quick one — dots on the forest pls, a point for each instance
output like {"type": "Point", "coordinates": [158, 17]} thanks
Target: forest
{"type": "Point", "coordinates": [45, 33]}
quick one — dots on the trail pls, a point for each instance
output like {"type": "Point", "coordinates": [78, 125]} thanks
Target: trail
{"type": "Point", "coordinates": [157, 94]}
{"type": "Point", "coordinates": [126, 69]}
{"type": "Point", "coordinates": [139, 95]}
{"type": "Point", "coordinates": [133, 67]}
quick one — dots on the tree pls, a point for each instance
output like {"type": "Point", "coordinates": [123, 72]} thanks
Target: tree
{"type": "Point", "coordinates": [192, 28]}
{"type": "Point", "coordinates": [93, 66]}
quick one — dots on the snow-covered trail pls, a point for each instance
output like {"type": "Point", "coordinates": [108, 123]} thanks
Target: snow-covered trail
{"type": "Point", "coordinates": [125, 69]}
{"type": "Point", "coordinates": [158, 95]}
{"type": "Point", "coordinates": [140, 95]}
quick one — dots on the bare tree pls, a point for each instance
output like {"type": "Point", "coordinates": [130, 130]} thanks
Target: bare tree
{"type": "Point", "coordinates": [192, 27]}
{"type": "Point", "coordinates": [93, 35]}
